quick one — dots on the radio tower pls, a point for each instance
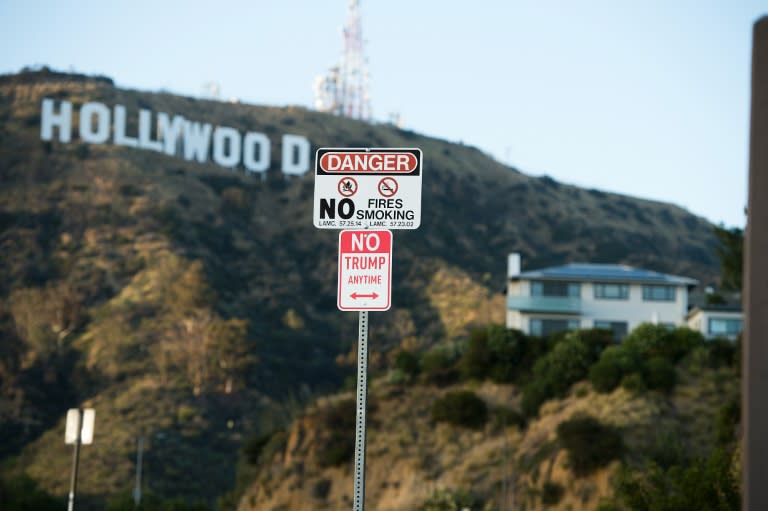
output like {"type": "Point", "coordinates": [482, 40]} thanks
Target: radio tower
{"type": "Point", "coordinates": [343, 90]}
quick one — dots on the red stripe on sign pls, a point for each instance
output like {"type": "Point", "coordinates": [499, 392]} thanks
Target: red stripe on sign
{"type": "Point", "coordinates": [343, 162]}
{"type": "Point", "coordinates": [365, 242]}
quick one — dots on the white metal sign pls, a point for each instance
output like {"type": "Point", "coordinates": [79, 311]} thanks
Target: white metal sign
{"type": "Point", "coordinates": [86, 426]}
{"type": "Point", "coordinates": [365, 270]}
{"type": "Point", "coordinates": [361, 188]}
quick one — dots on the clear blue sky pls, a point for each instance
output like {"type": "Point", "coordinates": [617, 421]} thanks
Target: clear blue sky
{"type": "Point", "coordinates": [646, 98]}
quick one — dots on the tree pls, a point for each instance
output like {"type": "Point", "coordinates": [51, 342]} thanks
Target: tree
{"type": "Point", "coordinates": [46, 317]}
{"type": "Point", "coordinates": [207, 349]}
{"type": "Point", "coordinates": [708, 484]}
{"type": "Point", "coordinates": [731, 253]}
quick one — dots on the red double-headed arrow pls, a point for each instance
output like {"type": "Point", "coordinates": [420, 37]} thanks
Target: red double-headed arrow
{"type": "Point", "coordinates": [372, 296]}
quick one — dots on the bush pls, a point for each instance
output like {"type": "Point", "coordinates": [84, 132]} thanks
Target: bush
{"type": "Point", "coordinates": [339, 419]}
{"type": "Point", "coordinates": [590, 444]}
{"type": "Point", "coordinates": [728, 416]}
{"type": "Point", "coordinates": [448, 500]}
{"type": "Point", "coordinates": [555, 372]}
{"type": "Point", "coordinates": [505, 417]}
{"type": "Point", "coordinates": [338, 449]}
{"type": "Point", "coordinates": [721, 353]}
{"type": "Point", "coordinates": [634, 382]}
{"type": "Point", "coordinates": [513, 353]}
{"type": "Point", "coordinates": [437, 367]}
{"type": "Point", "coordinates": [21, 493]}
{"type": "Point", "coordinates": [705, 485]}
{"type": "Point", "coordinates": [667, 449]}
{"type": "Point", "coordinates": [551, 493]}
{"type": "Point", "coordinates": [262, 448]}
{"type": "Point", "coordinates": [321, 488]}
{"type": "Point", "coordinates": [597, 340]}
{"type": "Point", "coordinates": [408, 363]}
{"type": "Point", "coordinates": [649, 340]}
{"type": "Point", "coordinates": [476, 361]}
{"type": "Point", "coordinates": [605, 375]}
{"type": "Point", "coordinates": [660, 374]}
{"type": "Point", "coordinates": [534, 395]}
{"type": "Point", "coordinates": [461, 408]}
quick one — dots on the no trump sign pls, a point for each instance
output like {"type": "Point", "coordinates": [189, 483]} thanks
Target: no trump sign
{"type": "Point", "coordinates": [365, 270]}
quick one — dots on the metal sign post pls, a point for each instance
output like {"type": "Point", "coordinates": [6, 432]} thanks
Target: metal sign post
{"type": "Point", "coordinates": [358, 190]}
{"type": "Point", "coordinates": [75, 460]}
{"type": "Point", "coordinates": [139, 463]}
{"type": "Point", "coordinates": [360, 424]}
{"type": "Point", "coordinates": [78, 431]}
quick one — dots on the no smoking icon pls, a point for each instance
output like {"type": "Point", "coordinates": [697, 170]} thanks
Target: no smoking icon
{"type": "Point", "coordinates": [387, 187]}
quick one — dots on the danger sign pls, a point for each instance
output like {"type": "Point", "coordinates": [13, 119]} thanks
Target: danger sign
{"type": "Point", "coordinates": [365, 270]}
{"type": "Point", "coordinates": [359, 188]}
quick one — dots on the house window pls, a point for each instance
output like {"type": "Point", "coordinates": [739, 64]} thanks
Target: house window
{"type": "Point", "coordinates": [659, 293]}
{"type": "Point", "coordinates": [555, 288]}
{"type": "Point", "coordinates": [612, 291]}
{"type": "Point", "coordinates": [546, 327]}
{"type": "Point", "coordinates": [619, 328]}
{"type": "Point", "coordinates": [725, 326]}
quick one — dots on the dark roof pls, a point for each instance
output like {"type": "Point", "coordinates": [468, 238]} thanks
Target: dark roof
{"type": "Point", "coordinates": [589, 272]}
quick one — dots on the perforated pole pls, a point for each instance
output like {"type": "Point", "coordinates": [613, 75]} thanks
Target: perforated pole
{"type": "Point", "coordinates": [362, 397]}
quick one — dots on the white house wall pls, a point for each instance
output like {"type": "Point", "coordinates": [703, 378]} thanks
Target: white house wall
{"type": "Point", "coordinates": [634, 310]}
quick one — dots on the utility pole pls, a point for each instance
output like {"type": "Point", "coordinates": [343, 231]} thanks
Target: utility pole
{"type": "Point", "coordinates": [755, 348]}
{"type": "Point", "coordinates": [139, 462]}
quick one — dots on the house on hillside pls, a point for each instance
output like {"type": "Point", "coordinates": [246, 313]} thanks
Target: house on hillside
{"type": "Point", "coordinates": [584, 295]}
{"type": "Point", "coordinates": [717, 321]}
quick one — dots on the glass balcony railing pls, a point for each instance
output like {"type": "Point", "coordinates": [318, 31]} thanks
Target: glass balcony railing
{"type": "Point", "coordinates": [558, 304]}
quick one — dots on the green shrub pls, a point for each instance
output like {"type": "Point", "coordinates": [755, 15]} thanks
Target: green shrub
{"type": "Point", "coordinates": [705, 485]}
{"type": "Point", "coordinates": [597, 340]}
{"type": "Point", "coordinates": [534, 395]}
{"type": "Point", "coordinates": [513, 354]}
{"type": "Point", "coordinates": [728, 416]}
{"type": "Point", "coordinates": [338, 449]}
{"type": "Point", "coordinates": [660, 374]}
{"type": "Point", "coordinates": [554, 373]}
{"type": "Point", "coordinates": [321, 488]}
{"type": "Point", "coordinates": [408, 363]}
{"type": "Point", "coordinates": [262, 448]}
{"type": "Point", "coordinates": [634, 382]}
{"type": "Point", "coordinates": [505, 417]}
{"type": "Point", "coordinates": [667, 449]}
{"type": "Point", "coordinates": [449, 500]}
{"type": "Point", "coordinates": [590, 444]}
{"type": "Point", "coordinates": [437, 367]}
{"type": "Point", "coordinates": [649, 340]}
{"type": "Point", "coordinates": [551, 493]}
{"type": "Point", "coordinates": [722, 353]}
{"type": "Point", "coordinates": [21, 493]}
{"type": "Point", "coordinates": [606, 374]}
{"type": "Point", "coordinates": [477, 359]}
{"type": "Point", "coordinates": [461, 408]}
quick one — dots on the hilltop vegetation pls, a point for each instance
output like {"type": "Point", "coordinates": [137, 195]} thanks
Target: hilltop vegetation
{"type": "Point", "coordinates": [440, 444]}
{"type": "Point", "coordinates": [195, 305]}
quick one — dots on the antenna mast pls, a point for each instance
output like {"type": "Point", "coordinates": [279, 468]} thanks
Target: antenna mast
{"type": "Point", "coordinates": [343, 90]}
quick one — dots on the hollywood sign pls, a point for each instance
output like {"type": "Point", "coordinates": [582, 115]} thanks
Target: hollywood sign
{"type": "Point", "coordinates": [175, 136]}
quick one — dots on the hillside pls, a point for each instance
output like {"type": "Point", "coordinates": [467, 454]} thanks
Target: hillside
{"type": "Point", "coordinates": [422, 459]}
{"type": "Point", "coordinates": [195, 304]}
